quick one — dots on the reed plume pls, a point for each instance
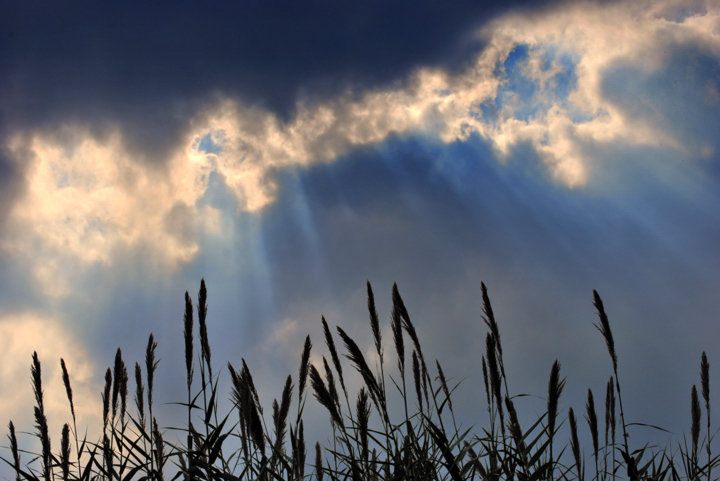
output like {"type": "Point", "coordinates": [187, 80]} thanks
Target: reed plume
{"type": "Point", "coordinates": [202, 316]}
{"type": "Point", "coordinates": [485, 381]}
{"type": "Point", "coordinates": [106, 397]}
{"type": "Point", "coordinates": [356, 357]}
{"type": "Point", "coordinates": [516, 432]}
{"type": "Point", "coordinates": [14, 450]}
{"type": "Point", "coordinates": [555, 389]}
{"type": "Point", "coordinates": [36, 373]}
{"type": "Point", "coordinates": [68, 388]}
{"type": "Point", "coordinates": [489, 317]}
{"type": "Point", "coordinates": [108, 458]}
{"type": "Point", "coordinates": [575, 444]}
{"type": "Point", "coordinates": [324, 397]}
{"type": "Point", "coordinates": [318, 463]}
{"type": "Point", "coordinates": [604, 328]}
{"type": "Point", "coordinates": [331, 383]}
{"type": "Point", "coordinates": [280, 414]}
{"type": "Point", "coordinates": [363, 418]}
{"type": "Point", "coordinates": [123, 393]}
{"type": "Point", "coordinates": [396, 326]}
{"type": "Point", "coordinates": [705, 382]}
{"type": "Point", "coordinates": [416, 378]}
{"type": "Point", "coordinates": [188, 334]}
{"type": "Point", "coordinates": [69, 393]}
{"type": "Point", "coordinates": [695, 427]}
{"type": "Point", "coordinates": [150, 366]}
{"type": "Point", "coordinates": [159, 450]}
{"type": "Point", "coordinates": [410, 328]}
{"type": "Point", "coordinates": [491, 354]}
{"type": "Point", "coordinates": [443, 383]}
{"type": "Point", "coordinates": [139, 395]}
{"type": "Point", "coordinates": [333, 353]}
{"type": "Point", "coordinates": [303, 374]}
{"type": "Point", "coordinates": [374, 322]}
{"type": "Point", "coordinates": [65, 452]}
{"type": "Point", "coordinates": [591, 418]}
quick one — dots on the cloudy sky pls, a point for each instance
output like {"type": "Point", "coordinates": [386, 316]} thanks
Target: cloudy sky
{"type": "Point", "coordinates": [289, 152]}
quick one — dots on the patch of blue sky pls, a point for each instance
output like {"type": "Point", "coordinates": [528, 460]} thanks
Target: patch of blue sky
{"type": "Point", "coordinates": [210, 144]}
{"type": "Point", "coordinates": [524, 97]}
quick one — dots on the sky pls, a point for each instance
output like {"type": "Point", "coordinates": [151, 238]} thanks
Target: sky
{"type": "Point", "coordinates": [290, 152]}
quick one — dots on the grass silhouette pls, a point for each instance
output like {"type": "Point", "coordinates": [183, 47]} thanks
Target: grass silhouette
{"type": "Point", "coordinates": [424, 444]}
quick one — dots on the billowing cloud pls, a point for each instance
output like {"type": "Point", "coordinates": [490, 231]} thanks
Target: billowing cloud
{"type": "Point", "coordinates": [86, 198]}
{"type": "Point", "coordinates": [539, 81]}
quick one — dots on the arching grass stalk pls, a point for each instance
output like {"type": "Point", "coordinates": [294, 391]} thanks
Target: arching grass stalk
{"type": "Point", "coordinates": [150, 366]}
{"type": "Point", "coordinates": [555, 388]}
{"type": "Point", "coordinates": [188, 334]}
{"type": "Point", "coordinates": [604, 328]}
{"type": "Point", "coordinates": [69, 392]}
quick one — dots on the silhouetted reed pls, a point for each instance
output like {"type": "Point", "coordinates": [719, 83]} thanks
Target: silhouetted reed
{"type": "Point", "coordinates": [418, 446]}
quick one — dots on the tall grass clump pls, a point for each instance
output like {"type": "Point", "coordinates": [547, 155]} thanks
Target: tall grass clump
{"type": "Point", "coordinates": [419, 439]}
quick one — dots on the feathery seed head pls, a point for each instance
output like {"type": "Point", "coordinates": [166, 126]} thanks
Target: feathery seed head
{"type": "Point", "coordinates": [396, 326]}
{"type": "Point", "coordinates": [14, 449]}
{"type": "Point", "coordinates": [604, 328]}
{"type": "Point", "coordinates": [188, 333]}
{"type": "Point", "coordinates": [443, 383]}
{"type": "Point", "coordinates": [591, 418]}
{"type": "Point", "coordinates": [318, 462]}
{"type": "Point", "coordinates": [68, 389]}
{"type": "Point", "coordinates": [323, 396]}
{"type": "Point", "coordinates": [490, 317]}
{"type": "Point", "coordinates": [36, 372]}
{"type": "Point", "coordinates": [150, 366]}
{"type": "Point", "coordinates": [574, 443]}
{"type": "Point", "coordinates": [695, 412]}
{"type": "Point", "coordinates": [139, 393]}
{"type": "Point", "coordinates": [363, 417]}
{"type": "Point", "coordinates": [123, 392]}
{"type": "Point", "coordinates": [117, 374]}
{"type": "Point", "coordinates": [555, 388]}
{"type": "Point", "coordinates": [65, 452]}
{"type": "Point", "coordinates": [106, 397]}
{"type": "Point", "coordinates": [416, 378]}
{"type": "Point", "coordinates": [374, 321]}
{"type": "Point", "coordinates": [333, 352]}
{"type": "Point", "coordinates": [356, 357]}
{"type": "Point", "coordinates": [705, 379]}
{"type": "Point", "coordinates": [485, 380]}
{"type": "Point", "coordinates": [202, 316]}
{"type": "Point", "coordinates": [304, 366]}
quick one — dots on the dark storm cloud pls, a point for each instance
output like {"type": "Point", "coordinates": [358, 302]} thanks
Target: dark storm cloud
{"type": "Point", "coordinates": [147, 68]}
{"type": "Point", "coordinates": [139, 62]}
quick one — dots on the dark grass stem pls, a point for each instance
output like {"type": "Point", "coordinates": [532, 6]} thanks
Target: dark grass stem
{"type": "Point", "coordinates": [604, 328]}
{"type": "Point", "coordinates": [705, 384]}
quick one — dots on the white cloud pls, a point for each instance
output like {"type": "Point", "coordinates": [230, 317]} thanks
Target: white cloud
{"type": "Point", "coordinates": [87, 198]}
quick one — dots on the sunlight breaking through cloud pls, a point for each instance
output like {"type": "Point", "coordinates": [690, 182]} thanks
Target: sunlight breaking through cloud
{"type": "Point", "coordinates": [538, 82]}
